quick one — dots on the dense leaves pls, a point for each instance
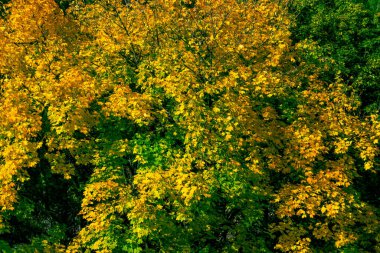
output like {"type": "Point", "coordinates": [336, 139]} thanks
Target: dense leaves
{"type": "Point", "coordinates": [348, 34]}
{"type": "Point", "coordinates": [189, 126]}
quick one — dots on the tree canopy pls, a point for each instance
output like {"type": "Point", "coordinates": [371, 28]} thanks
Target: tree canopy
{"type": "Point", "coordinates": [189, 126]}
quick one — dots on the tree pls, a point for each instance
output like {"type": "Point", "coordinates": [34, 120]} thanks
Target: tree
{"type": "Point", "coordinates": [187, 125]}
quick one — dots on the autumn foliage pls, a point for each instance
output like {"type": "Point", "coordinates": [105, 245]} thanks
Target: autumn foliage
{"type": "Point", "coordinates": [181, 126]}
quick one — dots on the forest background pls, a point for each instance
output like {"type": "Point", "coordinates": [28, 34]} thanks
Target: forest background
{"type": "Point", "coordinates": [189, 126]}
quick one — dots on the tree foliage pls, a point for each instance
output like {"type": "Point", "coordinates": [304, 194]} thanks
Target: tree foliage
{"type": "Point", "coordinates": [347, 32]}
{"type": "Point", "coordinates": [188, 126]}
